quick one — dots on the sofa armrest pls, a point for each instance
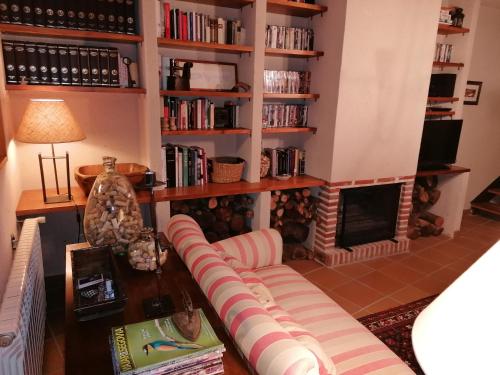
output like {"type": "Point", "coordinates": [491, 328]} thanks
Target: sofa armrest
{"type": "Point", "coordinates": [255, 249]}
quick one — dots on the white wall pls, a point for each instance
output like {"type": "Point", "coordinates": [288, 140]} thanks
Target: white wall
{"type": "Point", "coordinates": [480, 140]}
{"type": "Point", "coordinates": [386, 65]}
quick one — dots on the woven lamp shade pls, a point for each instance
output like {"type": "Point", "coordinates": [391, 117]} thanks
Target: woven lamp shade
{"type": "Point", "coordinates": [48, 121]}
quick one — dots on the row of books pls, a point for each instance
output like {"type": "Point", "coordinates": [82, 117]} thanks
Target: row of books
{"type": "Point", "coordinates": [287, 82]}
{"type": "Point", "coordinates": [47, 64]}
{"type": "Point", "coordinates": [284, 115]}
{"type": "Point", "coordinates": [443, 52]}
{"type": "Point", "coordinates": [289, 161]}
{"type": "Point", "coordinates": [158, 347]}
{"type": "Point", "coordinates": [184, 165]}
{"type": "Point", "coordinates": [295, 38]}
{"type": "Point", "coordinates": [115, 16]}
{"type": "Point", "coordinates": [199, 114]}
{"type": "Point", "coordinates": [197, 27]}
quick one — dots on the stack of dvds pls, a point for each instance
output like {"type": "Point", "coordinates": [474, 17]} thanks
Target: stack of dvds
{"type": "Point", "coordinates": [184, 166]}
{"type": "Point", "coordinates": [286, 82]}
{"type": "Point", "coordinates": [284, 115]}
{"type": "Point", "coordinates": [197, 27]}
{"type": "Point", "coordinates": [158, 347]}
{"type": "Point", "coordinates": [114, 16]}
{"type": "Point", "coordinates": [443, 52]}
{"type": "Point", "coordinates": [294, 38]}
{"type": "Point", "coordinates": [289, 161]}
{"type": "Point", "coordinates": [51, 64]}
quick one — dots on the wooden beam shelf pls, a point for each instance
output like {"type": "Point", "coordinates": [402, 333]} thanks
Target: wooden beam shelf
{"type": "Point", "coordinates": [293, 53]}
{"type": "Point", "coordinates": [453, 169]}
{"type": "Point", "coordinates": [60, 88]}
{"type": "Point", "coordinates": [439, 64]}
{"type": "Point", "coordinates": [289, 130]}
{"type": "Point", "coordinates": [206, 93]}
{"type": "Point", "coordinates": [441, 99]}
{"type": "Point", "coordinates": [207, 132]}
{"type": "Point", "coordinates": [292, 8]}
{"type": "Point", "coordinates": [444, 29]}
{"type": "Point", "coordinates": [203, 46]}
{"type": "Point", "coordinates": [68, 33]}
{"type": "Point", "coordinates": [235, 4]}
{"type": "Point", "coordinates": [291, 96]}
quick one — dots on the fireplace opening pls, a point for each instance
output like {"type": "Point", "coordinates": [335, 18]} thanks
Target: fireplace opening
{"type": "Point", "coordinates": [367, 214]}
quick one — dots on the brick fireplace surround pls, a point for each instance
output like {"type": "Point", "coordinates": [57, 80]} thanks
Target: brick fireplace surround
{"type": "Point", "coordinates": [325, 250]}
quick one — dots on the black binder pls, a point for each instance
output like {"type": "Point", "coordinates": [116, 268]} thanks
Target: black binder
{"type": "Point", "coordinates": [64, 65]}
{"type": "Point", "coordinates": [120, 16]}
{"type": "Point", "coordinates": [60, 9]}
{"type": "Point", "coordinates": [71, 16]}
{"type": "Point", "coordinates": [104, 66]}
{"type": "Point", "coordinates": [74, 63]}
{"type": "Point", "coordinates": [111, 15]}
{"type": "Point", "coordinates": [85, 66]}
{"type": "Point", "coordinates": [82, 14]}
{"type": "Point", "coordinates": [15, 15]}
{"type": "Point", "coordinates": [21, 62]}
{"type": "Point", "coordinates": [130, 16]}
{"type": "Point", "coordinates": [43, 61]}
{"type": "Point", "coordinates": [53, 53]}
{"type": "Point", "coordinates": [92, 14]}
{"type": "Point", "coordinates": [50, 13]}
{"type": "Point", "coordinates": [101, 15]}
{"type": "Point", "coordinates": [38, 12]}
{"type": "Point", "coordinates": [170, 162]}
{"type": "Point", "coordinates": [114, 71]}
{"type": "Point", "coordinates": [4, 11]}
{"type": "Point", "coordinates": [27, 12]}
{"type": "Point", "coordinates": [95, 73]}
{"type": "Point", "coordinates": [33, 64]}
{"type": "Point", "coordinates": [9, 60]}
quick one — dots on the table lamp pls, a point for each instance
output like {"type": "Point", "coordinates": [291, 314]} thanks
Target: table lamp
{"type": "Point", "coordinates": [50, 121]}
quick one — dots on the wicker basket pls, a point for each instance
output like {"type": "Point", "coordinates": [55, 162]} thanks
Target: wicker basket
{"type": "Point", "coordinates": [227, 169]}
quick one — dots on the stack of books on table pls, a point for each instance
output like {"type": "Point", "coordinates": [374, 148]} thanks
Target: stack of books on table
{"type": "Point", "coordinates": [157, 347]}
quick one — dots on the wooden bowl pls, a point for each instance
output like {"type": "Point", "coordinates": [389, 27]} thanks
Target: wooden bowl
{"type": "Point", "coordinates": [85, 175]}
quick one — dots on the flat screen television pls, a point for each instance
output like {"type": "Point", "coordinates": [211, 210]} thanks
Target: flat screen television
{"type": "Point", "coordinates": [439, 144]}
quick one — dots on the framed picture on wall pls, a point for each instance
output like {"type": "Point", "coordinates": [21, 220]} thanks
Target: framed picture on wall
{"type": "Point", "coordinates": [472, 92]}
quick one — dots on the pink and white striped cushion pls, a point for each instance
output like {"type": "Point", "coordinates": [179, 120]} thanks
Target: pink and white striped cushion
{"type": "Point", "coordinates": [269, 349]}
{"type": "Point", "coordinates": [255, 249]}
{"type": "Point", "coordinates": [353, 349]}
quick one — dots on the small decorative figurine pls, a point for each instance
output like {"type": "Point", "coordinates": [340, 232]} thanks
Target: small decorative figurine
{"type": "Point", "coordinates": [457, 17]}
{"type": "Point", "coordinates": [174, 81]}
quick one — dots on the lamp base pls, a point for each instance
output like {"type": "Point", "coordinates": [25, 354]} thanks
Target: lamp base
{"type": "Point", "coordinates": [57, 199]}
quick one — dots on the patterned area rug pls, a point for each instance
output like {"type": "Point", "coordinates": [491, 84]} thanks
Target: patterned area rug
{"type": "Point", "coordinates": [394, 327]}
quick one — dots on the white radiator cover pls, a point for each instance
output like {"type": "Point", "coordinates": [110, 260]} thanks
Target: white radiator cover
{"type": "Point", "coordinates": [22, 312]}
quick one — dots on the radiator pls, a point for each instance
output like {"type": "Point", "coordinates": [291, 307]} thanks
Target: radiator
{"type": "Point", "coordinates": [22, 312]}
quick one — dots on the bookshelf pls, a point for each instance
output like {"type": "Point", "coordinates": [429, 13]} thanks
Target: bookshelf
{"type": "Point", "coordinates": [293, 53]}
{"type": "Point", "coordinates": [206, 94]}
{"type": "Point", "coordinates": [439, 113]}
{"type": "Point", "coordinates": [237, 131]}
{"type": "Point", "coordinates": [296, 9]}
{"type": "Point", "coordinates": [442, 65]}
{"type": "Point", "coordinates": [84, 89]}
{"type": "Point", "coordinates": [291, 96]}
{"type": "Point", "coordinates": [441, 99]}
{"type": "Point", "coordinates": [285, 130]}
{"type": "Point", "coordinates": [236, 4]}
{"type": "Point", "coordinates": [444, 29]}
{"type": "Point", "coordinates": [203, 46]}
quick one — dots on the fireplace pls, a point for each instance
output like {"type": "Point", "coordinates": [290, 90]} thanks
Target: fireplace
{"type": "Point", "coordinates": [367, 214]}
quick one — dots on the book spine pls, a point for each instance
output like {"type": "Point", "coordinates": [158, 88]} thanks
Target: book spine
{"type": "Point", "coordinates": [170, 155]}
{"type": "Point", "coordinates": [120, 17]}
{"type": "Point", "coordinates": [85, 66]}
{"type": "Point", "coordinates": [95, 72]}
{"type": "Point", "coordinates": [4, 11]}
{"type": "Point", "coordinates": [114, 74]}
{"type": "Point", "coordinates": [60, 10]}
{"type": "Point", "coordinates": [50, 13]}
{"type": "Point", "coordinates": [83, 10]}
{"type": "Point", "coordinates": [130, 14]}
{"type": "Point", "coordinates": [111, 16]}
{"type": "Point", "coordinates": [160, 19]}
{"type": "Point", "coordinates": [33, 64]}
{"type": "Point", "coordinates": [101, 15]}
{"type": "Point", "coordinates": [185, 173]}
{"type": "Point", "coordinates": [53, 54]}
{"type": "Point", "coordinates": [38, 13]}
{"type": "Point", "coordinates": [64, 65]}
{"type": "Point", "coordinates": [178, 167]}
{"type": "Point", "coordinates": [104, 66]}
{"type": "Point", "coordinates": [10, 62]}
{"type": "Point", "coordinates": [166, 12]}
{"type": "Point", "coordinates": [71, 17]}
{"type": "Point", "coordinates": [21, 63]}
{"type": "Point", "coordinates": [27, 12]}
{"type": "Point", "coordinates": [43, 61]}
{"type": "Point", "coordinates": [15, 11]}
{"type": "Point", "coordinates": [74, 63]}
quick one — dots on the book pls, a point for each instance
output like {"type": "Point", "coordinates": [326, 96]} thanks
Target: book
{"type": "Point", "coordinates": [21, 62]}
{"type": "Point", "coordinates": [4, 11]}
{"type": "Point", "coordinates": [38, 12]}
{"type": "Point", "coordinates": [43, 61]}
{"type": "Point", "coordinates": [9, 62]}
{"type": "Point", "coordinates": [33, 64]}
{"type": "Point", "coordinates": [120, 16]}
{"type": "Point", "coordinates": [60, 10]}
{"type": "Point", "coordinates": [111, 16]}
{"type": "Point", "coordinates": [15, 15]}
{"type": "Point", "coordinates": [114, 66]}
{"type": "Point", "coordinates": [104, 66]}
{"type": "Point", "coordinates": [101, 15]}
{"type": "Point", "coordinates": [27, 12]}
{"type": "Point", "coordinates": [83, 14]}
{"type": "Point", "coordinates": [95, 70]}
{"type": "Point", "coordinates": [74, 63]}
{"type": "Point", "coordinates": [50, 13]}
{"type": "Point", "coordinates": [130, 17]}
{"type": "Point", "coordinates": [64, 65]}
{"type": "Point", "coordinates": [85, 66]}
{"type": "Point", "coordinates": [158, 345]}
{"type": "Point", "coordinates": [71, 14]}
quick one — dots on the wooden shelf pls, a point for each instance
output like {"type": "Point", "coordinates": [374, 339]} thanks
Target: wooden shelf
{"type": "Point", "coordinates": [440, 113]}
{"type": "Point", "coordinates": [68, 33]}
{"type": "Point", "coordinates": [291, 96]}
{"type": "Point", "coordinates": [439, 64]}
{"type": "Point", "coordinates": [242, 187]}
{"type": "Point", "coordinates": [206, 93]}
{"type": "Point", "coordinates": [453, 169]}
{"type": "Point", "coordinates": [289, 130]}
{"type": "Point", "coordinates": [448, 30]}
{"type": "Point", "coordinates": [441, 99]}
{"type": "Point", "coordinates": [236, 4]}
{"type": "Point", "coordinates": [203, 46]}
{"type": "Point", "coordinates": [292, 8]}
{"type": "Point", "coordinates": [293, 53]}
{"type": "Point", "coordinates": [50, 88]}
{"type": "Point", "coordinates": [208, 132]}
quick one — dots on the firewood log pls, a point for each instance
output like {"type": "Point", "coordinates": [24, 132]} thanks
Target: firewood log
{"type": "Point", "coordinates": [434, 196]}
{"type": "Point", "coordinates": [223, 213]}
{"type": "Point", "coordinates": [249, 214]}
{"type": "Point", "coordinates": [284, 198]}
{"type": "Point", "coordinates": [212, 203]}
{"type": "Point", "coordinates": [413, 232]}
{"type": "Point", "coordinates": [237, 223]}
{"type": "Point", "coordinates": [221, 228]}
{"type": "Point", "coordinates": [273, 205]}
{"type": "Point", "coordinates": [438, 231]}
{"type": "Point", "coordinates": [426, 227]}
{"type": "Point", "coordinates": [437, 220]}
{"type": "Point", "coordinates": [423, 195]}
{"type": "Point", "coordinates": [306, 193]}
{"type": "Point", "coordinates": [280, 212]}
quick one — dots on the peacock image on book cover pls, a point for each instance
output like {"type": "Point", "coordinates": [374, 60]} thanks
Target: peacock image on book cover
{"type": "Point", "coordinates": [158, 345]}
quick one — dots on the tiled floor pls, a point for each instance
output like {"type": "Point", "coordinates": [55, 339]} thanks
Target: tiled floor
{"type": "Point", "coordinates": [362, 288]}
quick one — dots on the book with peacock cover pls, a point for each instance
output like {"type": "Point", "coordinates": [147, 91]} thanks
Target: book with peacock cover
{"type": "Point", "coordinates": [156, 345]}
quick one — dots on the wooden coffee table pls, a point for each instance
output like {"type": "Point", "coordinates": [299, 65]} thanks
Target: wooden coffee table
{"type": "Point", "coordinates": [87, 343]}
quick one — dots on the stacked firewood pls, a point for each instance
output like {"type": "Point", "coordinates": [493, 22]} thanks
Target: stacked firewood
{"type": "Point", "coordinates": [422, 222]}
{"type": "Point", "coordinates": [220, 217]}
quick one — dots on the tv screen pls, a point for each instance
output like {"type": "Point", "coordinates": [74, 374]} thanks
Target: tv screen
{"type": "Point", "coordinates": [439, 144]}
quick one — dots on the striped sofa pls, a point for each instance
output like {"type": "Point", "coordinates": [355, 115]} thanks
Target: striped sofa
{"type": "Point", "coordinates": [262, 302]}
